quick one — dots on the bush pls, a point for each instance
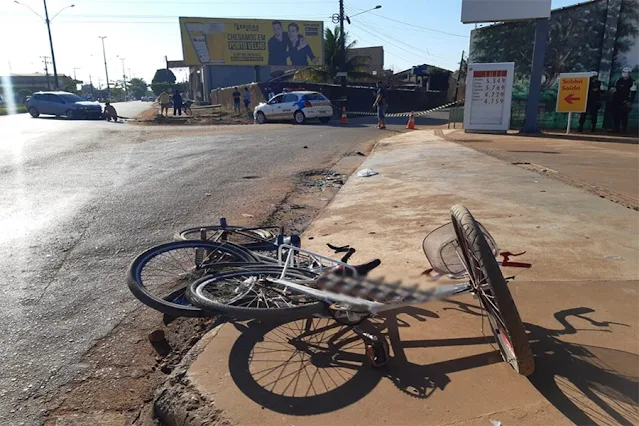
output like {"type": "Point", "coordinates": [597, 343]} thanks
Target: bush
{"type": "Point", "coordinates": [19, 109]}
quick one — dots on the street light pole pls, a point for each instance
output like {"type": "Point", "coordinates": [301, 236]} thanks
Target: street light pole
{"type": "Point", "coordinates": [48, 22]}
{"type": "Point", "coordinates": [126, 92]}
{"type": "Point", "coordinates": [106, 70]}
{"type": "Point", "coordinates": [342, 40]}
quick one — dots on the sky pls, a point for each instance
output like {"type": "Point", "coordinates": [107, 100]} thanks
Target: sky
{"type": "Point", "coordinates": [139, 33]}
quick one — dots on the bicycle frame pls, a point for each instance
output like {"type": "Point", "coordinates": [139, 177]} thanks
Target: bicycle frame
{"type": "Point", "coordinates": [436, 293]}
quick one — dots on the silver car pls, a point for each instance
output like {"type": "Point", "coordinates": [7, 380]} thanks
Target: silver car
{"type": "Point", "coordinates": [62, 104]}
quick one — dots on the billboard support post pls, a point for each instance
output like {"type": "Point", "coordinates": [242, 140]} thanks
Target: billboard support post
{"type": "Point", "coordinates": [534, 91]}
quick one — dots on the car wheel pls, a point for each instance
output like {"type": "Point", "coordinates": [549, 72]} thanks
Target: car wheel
{"type": "Point", "coordinates": [299, 117]}
{"type": "Point", "coordinates": [34, 112]}
{"type": "Point", "coordinates": [260, 118]}
{"type": "Point", "coordinates": [70, 114]}
{"type": "Point", "coordinates": [324, 120]}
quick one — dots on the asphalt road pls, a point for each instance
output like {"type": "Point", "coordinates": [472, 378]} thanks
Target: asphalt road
{"type": "Point", "coordinates": [78, 200]}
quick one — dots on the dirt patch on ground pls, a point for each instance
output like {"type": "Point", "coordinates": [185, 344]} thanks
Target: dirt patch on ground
{"type": "Point", "coordinates": [204, 115]}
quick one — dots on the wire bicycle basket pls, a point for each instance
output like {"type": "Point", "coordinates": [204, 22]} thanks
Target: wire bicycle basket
{"type": "Point", "coordinates": [440, 248]}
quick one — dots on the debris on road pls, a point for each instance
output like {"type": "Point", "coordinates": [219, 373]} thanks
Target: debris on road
{"type": "Point", "coordinates": [367, 173]}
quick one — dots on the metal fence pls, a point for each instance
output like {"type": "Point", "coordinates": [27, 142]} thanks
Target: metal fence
{"type": "Point", "coordinates": [547, 117]}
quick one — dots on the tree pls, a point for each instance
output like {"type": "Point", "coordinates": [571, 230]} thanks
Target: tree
{"type": "Point", "coordinates": [574, 42]}
{"type": "Point", "coordinates": [138, 87]}
{"type": "Point", "coordinates": [67, 84]}
{"type": "Point", "coordinates": [356, 66]}
{"type": "Point", "coordinates": [163, 79]}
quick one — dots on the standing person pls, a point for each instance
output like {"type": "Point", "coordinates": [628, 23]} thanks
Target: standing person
{"type": "Point", "coordinates": [278, 45]}
{"type": "Point", "coordinates": [247, 98]}
{"type": "Point", "coordinates": [593, 102]}
{"type": "Point", "coordinates": [236, 100]}
{"type": "Point", "coordinates": [177, 102]}
{"type": "Point", "coordinates": [164, 100]}
{"type": "Point", "coordinates": [299, 50]}
{"type": "Point", "coordinates": [624, 94]}
{"type": "Point", "coordinates": [381, 101]}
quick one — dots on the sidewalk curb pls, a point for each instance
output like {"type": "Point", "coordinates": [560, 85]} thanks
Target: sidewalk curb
{"type": "Point", "coordinates": [178, 403]}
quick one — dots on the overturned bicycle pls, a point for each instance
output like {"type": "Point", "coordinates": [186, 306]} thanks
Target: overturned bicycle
{"type": "Point", "coordinates": [259, 274]}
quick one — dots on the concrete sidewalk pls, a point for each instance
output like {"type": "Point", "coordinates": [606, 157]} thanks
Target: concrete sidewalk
{"type": "Point", "coordinates": [579, 302]}
{"type": "Point", "coordinates": [604, 164]}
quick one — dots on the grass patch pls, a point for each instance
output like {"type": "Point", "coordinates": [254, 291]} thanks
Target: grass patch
{"type": "Point", "coordinates": [19, 109]}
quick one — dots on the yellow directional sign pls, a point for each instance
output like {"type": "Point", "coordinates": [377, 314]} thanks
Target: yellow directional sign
{"type": "Point", "coordinates": [572, 93]}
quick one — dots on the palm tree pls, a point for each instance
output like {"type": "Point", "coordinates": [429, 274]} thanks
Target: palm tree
{"type": "Point", "coordinates": [356, 66]}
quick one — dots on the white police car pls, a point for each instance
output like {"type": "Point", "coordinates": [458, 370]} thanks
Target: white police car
{"type": "Point", "coordinates": [297, 106]}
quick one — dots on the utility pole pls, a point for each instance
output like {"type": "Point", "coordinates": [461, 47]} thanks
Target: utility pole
{"type": "Point", "coordinates": [106, 70]}
{"type": "Point", "coordinates": [342, 43]}
{"type": "Point", "coordinates": [91, 84]}
{"type": "Point", "coordinates": [126, 92]}
{"type": "Point", "coordinates": [55, 70]}
{"type": "Point", "coordinates": [461, 63]}
{"type": "Point", "coordinates": [74, 76]}
{"type": "Point", "coordinates": [46, 70]}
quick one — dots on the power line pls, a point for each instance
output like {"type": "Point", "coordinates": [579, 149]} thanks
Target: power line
{"type": "Point", "coordinates": [358, 37]}
{"type": "Point", "coordinates": [363, 28]}
{"type": "Point", "coordinates": [370, 25]}
{"type": "Point", "coordinates": [376, 36]}
{"type": "Point", "coordinates": [418, 26]}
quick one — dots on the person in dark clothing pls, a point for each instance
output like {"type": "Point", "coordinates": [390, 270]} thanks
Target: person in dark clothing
{"type": "Point", "coordinates": [236, 100]}
{"type": "Point", "coordinates": [177, 102]}
{"type": "Point", "coordinates": [624, 94]}
{"type": "Point", "coordinates": [278, 45]}
{"type": "Point", "coordinates": [593, 102]}
{"type": "Point", "coordinates": [299, 50]}
{"type": "Point", "coordinates": [380, 103]}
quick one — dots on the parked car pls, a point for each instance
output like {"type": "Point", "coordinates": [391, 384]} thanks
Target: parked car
{"type": "Point", "coordinates": [62, 104]}
{"type": "Point", "coordinates": [297, 106]}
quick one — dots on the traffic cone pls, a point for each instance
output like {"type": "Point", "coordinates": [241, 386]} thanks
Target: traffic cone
{"type": "Point", "coordinates": [344, 119]}
{"type": "Point", "coordinates": [411, 121]}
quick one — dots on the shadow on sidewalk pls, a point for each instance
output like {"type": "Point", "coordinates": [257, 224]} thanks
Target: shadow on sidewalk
{"type": "Point", "coordinates": [317, 365]}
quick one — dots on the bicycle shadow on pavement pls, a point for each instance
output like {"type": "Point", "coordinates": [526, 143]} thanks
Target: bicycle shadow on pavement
{"type": "Point", "coordinates": [315, 366]}
{"type": "Point", "coordinates": [587, 384]}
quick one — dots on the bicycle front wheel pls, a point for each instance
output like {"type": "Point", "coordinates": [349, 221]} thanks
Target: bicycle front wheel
{"type": "Point", "coordinates": [254, 294]}
{"type": "Point", "coordinates": [491, 288]}
{"type": "Point", "coordinates": [161, 270]}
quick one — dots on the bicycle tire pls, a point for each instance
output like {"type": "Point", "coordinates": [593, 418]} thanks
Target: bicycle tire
{"type": "Point", "coordinates": [178, 273]}
{"type": "Point", "coordinates": [197, 294]}
{"type": "Point", "coordinates": [264, 238]}
{"type": "Point", "coordinates": [179, 295]}
{"type": "Point", "coordinates": [479, 259]}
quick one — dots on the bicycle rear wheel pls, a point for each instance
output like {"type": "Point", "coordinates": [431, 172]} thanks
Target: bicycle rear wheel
{"type": "Point", "coordinates": [161, 270]}
{"type": "Point", "coordinates": [253, 294]}
{"type": "Point", "coordinates": [491, 288]}
{"type": "Point", "coordinates": [251, 238]}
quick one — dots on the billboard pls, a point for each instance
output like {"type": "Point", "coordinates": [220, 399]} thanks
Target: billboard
{"type": "Point", "coordinates": [222, 41]}
{"type": "Point", "coordinates": [503, 10]}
